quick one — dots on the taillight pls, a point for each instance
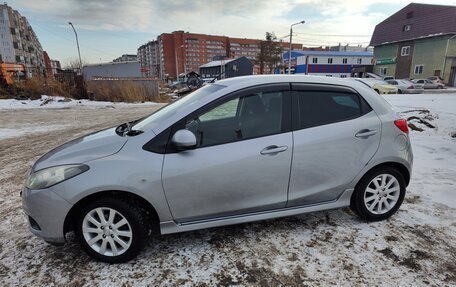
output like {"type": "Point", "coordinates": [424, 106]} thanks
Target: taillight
{"type": "Point", "coordinates": [402, 125]}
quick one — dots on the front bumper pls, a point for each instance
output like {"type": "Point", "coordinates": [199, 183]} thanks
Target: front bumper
{"type": "Point", "coordinates": [45, 211]}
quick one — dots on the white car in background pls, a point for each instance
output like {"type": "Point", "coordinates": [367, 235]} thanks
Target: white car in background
{"type": "Point", "coordinates": [406, 86]}
{"type": "Point", "coordinates": [428, 84]}
{"type": "Point", "coordinates": [380, 86]}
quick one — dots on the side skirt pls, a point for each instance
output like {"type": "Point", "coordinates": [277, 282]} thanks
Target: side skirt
{"type": "Point", "coordinates": [167, 227]}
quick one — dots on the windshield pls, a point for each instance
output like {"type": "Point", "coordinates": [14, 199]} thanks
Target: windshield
{"type": "Point", "coordinates": [174, 107]}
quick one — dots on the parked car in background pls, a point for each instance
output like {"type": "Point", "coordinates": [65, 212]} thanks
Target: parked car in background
{"type": "Point", "coordinates": [436, 79]}
{"type": "Point", "coordinates": [428, 84]}
{"type": "Point", "coordinates": [406, 86]}
{"type": "Point", "coordinates": [380, 86]}
{"type": "Point", "coordinates": [239, 150]}
{"type": "Point", "coordinates": [388, 78]}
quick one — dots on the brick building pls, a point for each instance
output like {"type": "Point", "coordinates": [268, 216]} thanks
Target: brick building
{"type": "Point", "coordinates": [181, 52]}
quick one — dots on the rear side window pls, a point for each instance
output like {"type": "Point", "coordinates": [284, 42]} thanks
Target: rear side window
{"type": "Point", "coordinates": [316, 108]}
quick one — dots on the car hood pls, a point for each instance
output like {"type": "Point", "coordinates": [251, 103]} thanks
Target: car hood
{"type": "Point", "coordinates": [96, 145]}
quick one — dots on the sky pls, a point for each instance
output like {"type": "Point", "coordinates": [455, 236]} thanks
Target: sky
{"type": "Point", "coordinates": [109, 28]}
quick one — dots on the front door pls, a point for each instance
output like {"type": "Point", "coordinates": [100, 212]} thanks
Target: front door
{"type": "Point", "coordinates": [242, 160]}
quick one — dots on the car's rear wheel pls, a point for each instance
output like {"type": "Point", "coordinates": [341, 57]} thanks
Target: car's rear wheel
{"type": "Point", "coordinates": [111, 230]}
{"type": "Point", "coordinates": [379, 194]}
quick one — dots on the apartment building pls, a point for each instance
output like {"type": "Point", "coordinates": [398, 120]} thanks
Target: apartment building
{"type": "Point", "coordinates": [181, 52]}
{"type": "Point", "coordinates": [126, 58]}
{"type": "Point", "coordinates": [148, 57]}
{"type": "Point", "coordinates": [18, 42]}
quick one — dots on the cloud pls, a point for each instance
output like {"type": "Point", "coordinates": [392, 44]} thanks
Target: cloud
{"type": "Point", "coordinates": [141, 20]}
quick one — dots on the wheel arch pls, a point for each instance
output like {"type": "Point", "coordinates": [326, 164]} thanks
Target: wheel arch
{"type": "Point", "coordinates": [399, 166]}
{"type": "Point", "coordinates": [145, 205]}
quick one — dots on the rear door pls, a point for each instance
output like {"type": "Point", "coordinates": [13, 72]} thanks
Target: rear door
{"type": "Point", "coordinates": [335, 134]}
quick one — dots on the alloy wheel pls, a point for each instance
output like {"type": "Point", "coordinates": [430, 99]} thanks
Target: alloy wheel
{"type": "Point", "coordinates": [382, 194]}
{"type": "Point", "coordinates": [107, 231]}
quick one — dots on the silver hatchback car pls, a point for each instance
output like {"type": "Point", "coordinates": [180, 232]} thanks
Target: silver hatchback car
{"type": "Point", "coordinates": [238, 150]}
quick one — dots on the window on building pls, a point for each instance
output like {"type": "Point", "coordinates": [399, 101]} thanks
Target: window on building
{"type": "Point", "coordinates": [314, 60]}
{"type": "Point", "coordinates": [418, 69]}
{"type": "Point", "coordinates": [405, 51]}
{"type": "Point", "coordinates": [359, 61]}
{"type": "Point", "coordinates": [383, 71]}
{"type": "Point", "coordinates": [330, 60]}
{"type": "Point", "coordinates": [343, 76]}
{"type": "Point", "coordinates": [407, 27]}
{"type": "Point", "coordinates": [344, 61]}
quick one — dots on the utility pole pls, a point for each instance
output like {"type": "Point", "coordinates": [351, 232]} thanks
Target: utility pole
{"type": "Point", "coordinates": [289, 52]}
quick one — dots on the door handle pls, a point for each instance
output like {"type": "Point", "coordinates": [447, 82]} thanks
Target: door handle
{"type": "Point", "coordinates": [273, 149]}
{"type": "Point", "coordinates": [365, 133]}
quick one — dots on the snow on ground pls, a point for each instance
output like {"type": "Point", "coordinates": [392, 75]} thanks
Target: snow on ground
{"type": "Point", "coordinates": [61, 102]}
{"type": "Point", "coordinates": [415, 247]}
{"type": "Point", "coordinates": [434, 148]}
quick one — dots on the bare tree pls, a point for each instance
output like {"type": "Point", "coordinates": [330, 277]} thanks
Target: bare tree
{"type": "Point", "coordinates": [73, 64]}
{"type": "Point", "coordinates": [270, 54]}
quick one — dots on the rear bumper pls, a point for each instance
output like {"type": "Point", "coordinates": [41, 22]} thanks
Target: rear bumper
{"type": "Point", "coordinates": [45, 211]}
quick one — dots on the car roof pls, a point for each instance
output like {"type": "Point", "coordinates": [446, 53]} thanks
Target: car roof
{"type": "Point", "coordinates": [270, 79]}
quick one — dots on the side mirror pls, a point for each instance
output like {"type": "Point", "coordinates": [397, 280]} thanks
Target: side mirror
{"type": "Point", "coordinates": [184, 139]}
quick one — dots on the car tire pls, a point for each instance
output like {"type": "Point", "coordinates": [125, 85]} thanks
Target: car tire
{"type": "Point", "coordinates": [117, 237]}
{"type": "Point", "coordinates": [378, 194]}
{"type": "Point", "coordinates": [378, 92]}
{"type": "Point", "coordinates": [399, 91]}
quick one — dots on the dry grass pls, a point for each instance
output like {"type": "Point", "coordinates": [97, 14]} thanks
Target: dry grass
{"type": "Point", "coordinates": [124, 91]}
{"type": "Point", "coordinates": [35, 87]}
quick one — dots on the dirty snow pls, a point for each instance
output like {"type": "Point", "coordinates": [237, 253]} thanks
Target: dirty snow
{"type": "Point", "coordinates": [416, 247]}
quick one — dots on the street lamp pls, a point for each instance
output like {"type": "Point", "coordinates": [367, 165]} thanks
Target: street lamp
{"type": "Point", "coordinates": [175, 56]}
{"type": "Point", "coordinates": [289, 53]}
{"type": "Point", "coordinates": [77, 43]}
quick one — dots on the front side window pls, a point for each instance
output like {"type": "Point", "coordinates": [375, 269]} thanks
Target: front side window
{"type": "Point", "coordinates": [247, 116]}
{"type": "Point", "coordinates": [318, 108]}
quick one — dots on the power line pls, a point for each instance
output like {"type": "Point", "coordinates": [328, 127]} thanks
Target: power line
{"type": "Point", "coordinates": [331, 35]}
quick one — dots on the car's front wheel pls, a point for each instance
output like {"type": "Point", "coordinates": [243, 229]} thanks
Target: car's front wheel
{"type": "Point", "coordinates": [111, 230]}
{"type": "Point", "coordinates": [379, 194]}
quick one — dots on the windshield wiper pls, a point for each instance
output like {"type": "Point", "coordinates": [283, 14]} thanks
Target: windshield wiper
{"type": "Point", "coordinates": [125, 129]}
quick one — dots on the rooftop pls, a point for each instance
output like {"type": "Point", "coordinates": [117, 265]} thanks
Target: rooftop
{"type": "Point", "coordinates": [422, 21]}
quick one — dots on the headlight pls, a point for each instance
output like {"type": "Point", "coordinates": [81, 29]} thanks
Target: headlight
{"type": "Point", "coordinates": [50, 176]}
